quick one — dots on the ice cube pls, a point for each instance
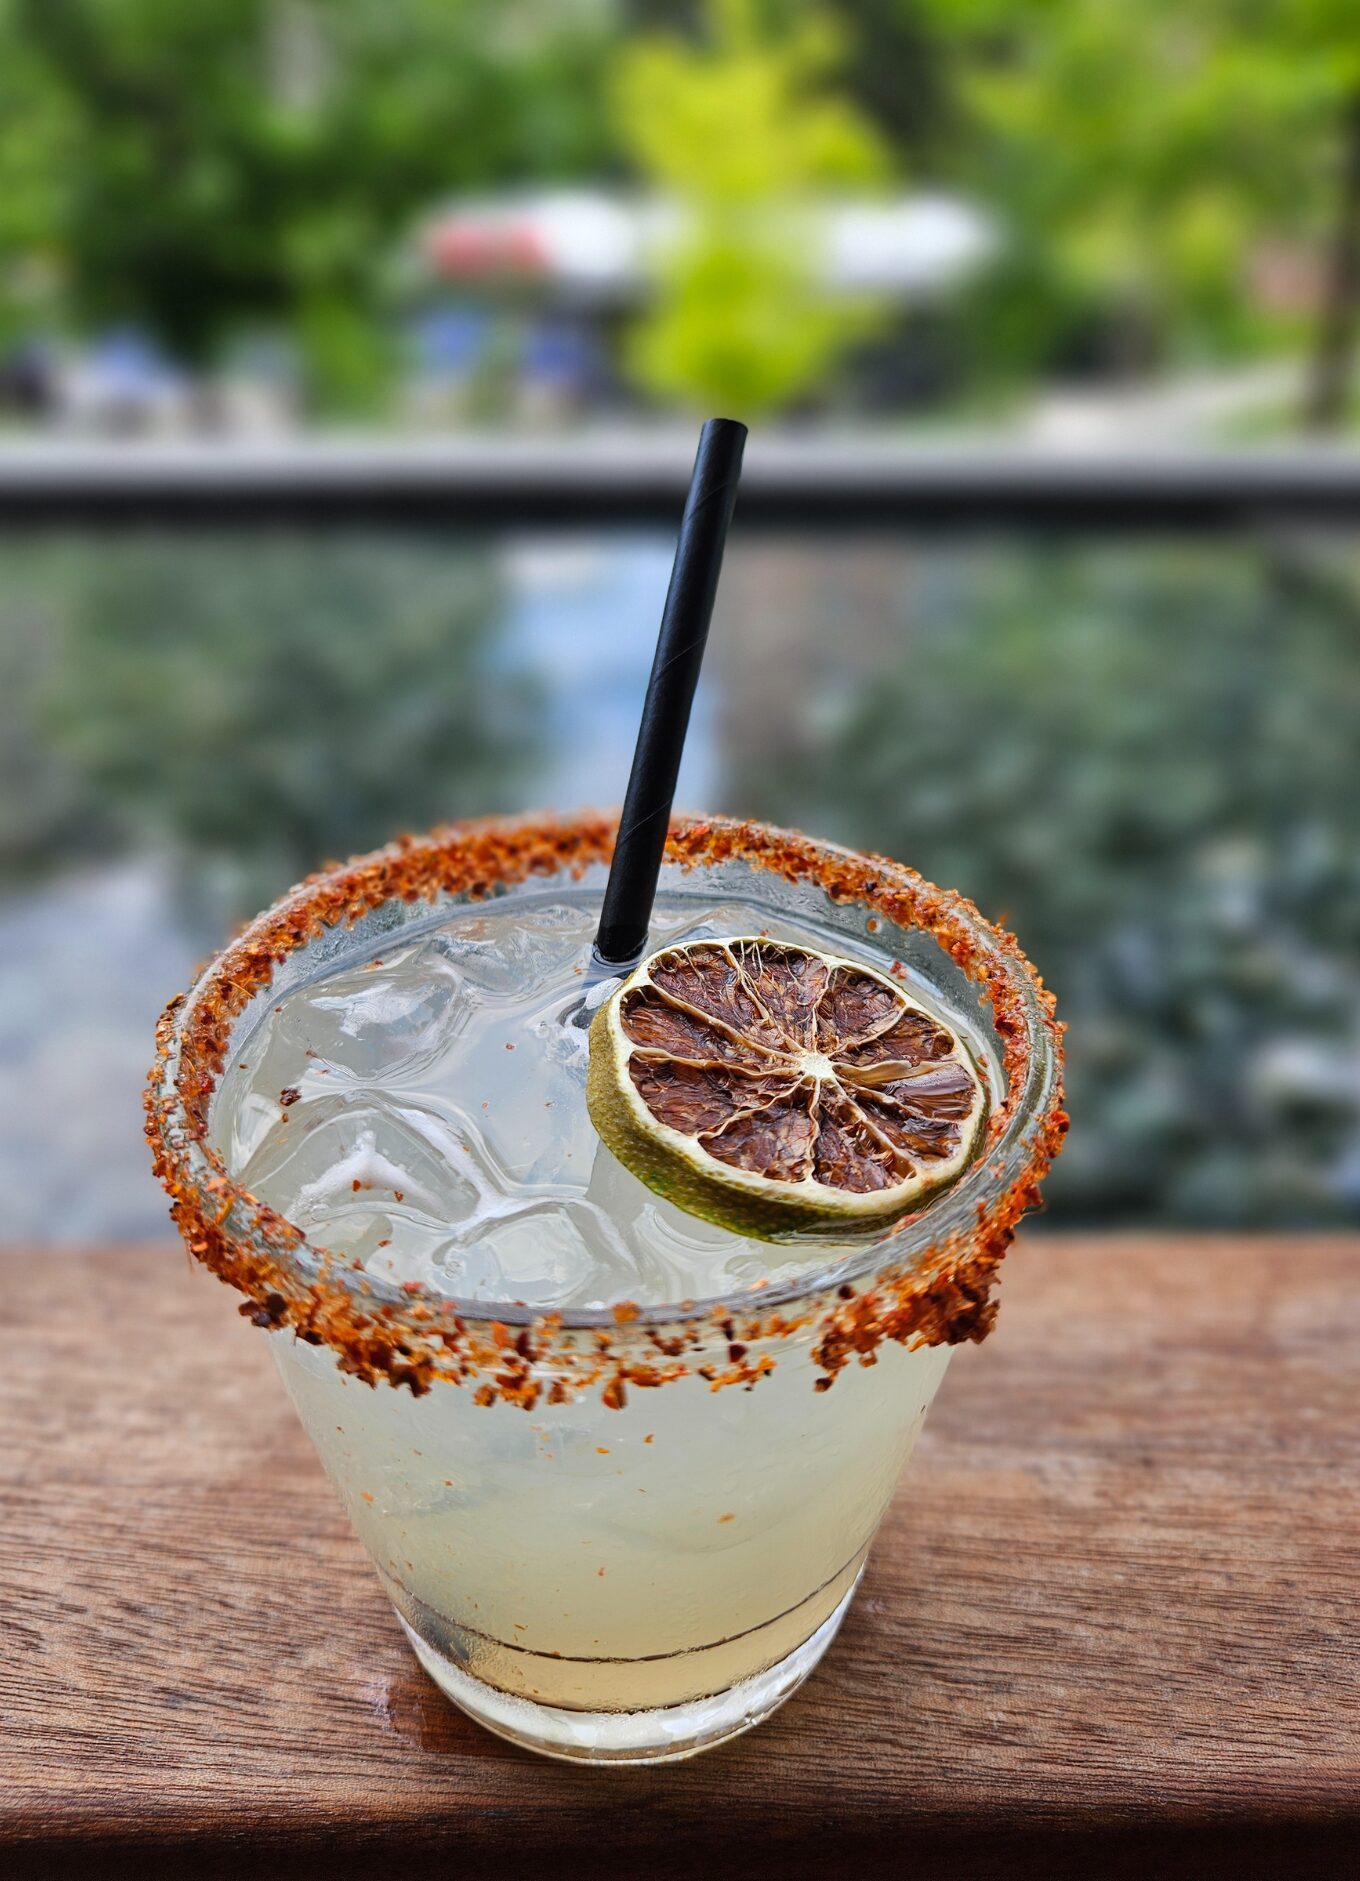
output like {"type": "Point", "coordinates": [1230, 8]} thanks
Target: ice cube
{"type": "Point", "coordinates": [699, 921]}
{"type": "Point", "coordinates": [386, 1023]}
{"type": "Point", "coordinates": [530, 1253]}
{"type": "Point", "coordinates": [551, 1252]}
{"type": "Point", "coordinates": [674, 1255]}
{"type": "Point", "coordinates": [391, 1241]}
{"type": "Point", "coordinates": [521, 1100]}
{"type": "Point", "coordinates": [513, 955]}
{"type": "Point", "coordinates": [357, 1155]}
{"type": "Point", "coordinates": [385, 1020]}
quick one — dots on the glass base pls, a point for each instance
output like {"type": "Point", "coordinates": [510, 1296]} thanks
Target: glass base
{"type": "Point", "coordinates": [664, 1735]}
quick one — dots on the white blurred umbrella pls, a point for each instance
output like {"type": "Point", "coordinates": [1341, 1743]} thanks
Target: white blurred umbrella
{"type": "Point", "coordinates": [592, 245]}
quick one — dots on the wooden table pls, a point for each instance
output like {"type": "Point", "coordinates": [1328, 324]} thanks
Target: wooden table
{"type": "Point", "coordinates": [1109, 1628]}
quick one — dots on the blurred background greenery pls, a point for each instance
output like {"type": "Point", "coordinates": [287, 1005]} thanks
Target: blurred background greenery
{"type": "Point", "coordinates": [1072, 223]}
{"type": "Point", "coordinates": [244, 185]}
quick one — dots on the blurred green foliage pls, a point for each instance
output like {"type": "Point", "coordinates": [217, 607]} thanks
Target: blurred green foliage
{"type": "Point", "coordinates": [1143, 155]}
{"type": "Point", "coordinates": [236, 163]}
{"type": "Point", "coordinates": [233, 165]}
{"type": "Point", "coordinates": [744, 131]}
{"type": "Point", "coordinates": [44, 809]}
{"type": "Point", "coordinates": [1146, 762]}
{"type": "Point", "coordinates": [253, 711]}
{"type": "Point", "coordinates": [1142, 758]}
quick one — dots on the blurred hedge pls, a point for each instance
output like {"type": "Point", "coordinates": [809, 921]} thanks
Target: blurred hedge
{"type": "Point", "coordinates": [1147, 762]}
{"type": "Point", "coordinates": [255, 705]}
{"type": "Point", "coordinates": [1144, 758]}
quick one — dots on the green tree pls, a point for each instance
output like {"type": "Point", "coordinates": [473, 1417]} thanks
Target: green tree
{"type": "Point", "coordinates": [744, 130]}
{"type": "Point", "coordinates": [1141, 153]}
{"type": "Point", "coordinates": [34, 133]}
{"type": "Point", "coordinates": [233, 162]}
{"type": "Point", "coordinates": [892, 62]}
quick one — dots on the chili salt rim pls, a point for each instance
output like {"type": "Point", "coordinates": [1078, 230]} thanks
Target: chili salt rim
{"type": "Point", "coordinates": [927, 1281]}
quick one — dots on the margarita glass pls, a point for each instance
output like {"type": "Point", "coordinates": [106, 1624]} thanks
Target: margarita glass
{"type": "Point", "coordinates": [627, 1529]}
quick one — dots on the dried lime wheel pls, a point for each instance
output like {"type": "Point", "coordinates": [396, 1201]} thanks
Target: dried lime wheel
{"type": "Point", "coordinates": [773, 1088]}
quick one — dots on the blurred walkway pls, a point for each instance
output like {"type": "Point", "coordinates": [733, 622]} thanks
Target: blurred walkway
{"type": "Point", "coordinates": [1180, 411]}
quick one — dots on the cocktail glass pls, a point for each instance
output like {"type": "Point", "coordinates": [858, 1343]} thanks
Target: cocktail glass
{"type": "Point", "coordinates": [628, 1534]}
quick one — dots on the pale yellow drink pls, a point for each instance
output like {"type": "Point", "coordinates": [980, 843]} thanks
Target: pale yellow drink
{"type": "Point", "coordinates": [618, 1468]}
{"type": "Point", "coordinates": [423, 1111]}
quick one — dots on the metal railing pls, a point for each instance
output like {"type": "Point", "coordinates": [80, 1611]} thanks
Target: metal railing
{"type": "Point", "coordinates": [593, 480]}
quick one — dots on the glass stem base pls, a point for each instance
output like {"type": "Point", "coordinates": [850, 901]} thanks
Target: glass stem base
{"type": "Point", "coordinates": [663, 1735]}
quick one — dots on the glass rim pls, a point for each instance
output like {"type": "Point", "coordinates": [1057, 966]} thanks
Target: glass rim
{"type": "Point", "coordinates": [926, 1279]}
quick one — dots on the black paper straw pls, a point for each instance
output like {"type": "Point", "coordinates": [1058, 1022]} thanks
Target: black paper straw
{"type": "Point", "coordinates": [631, 888]}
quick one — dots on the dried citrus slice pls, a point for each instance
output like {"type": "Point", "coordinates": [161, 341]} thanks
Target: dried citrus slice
{"type": "Point", "coordinates": [770, 1087]}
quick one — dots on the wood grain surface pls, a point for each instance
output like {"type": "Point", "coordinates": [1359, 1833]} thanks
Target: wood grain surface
{"type": "Point", "coordinates": [1117, 1633]}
